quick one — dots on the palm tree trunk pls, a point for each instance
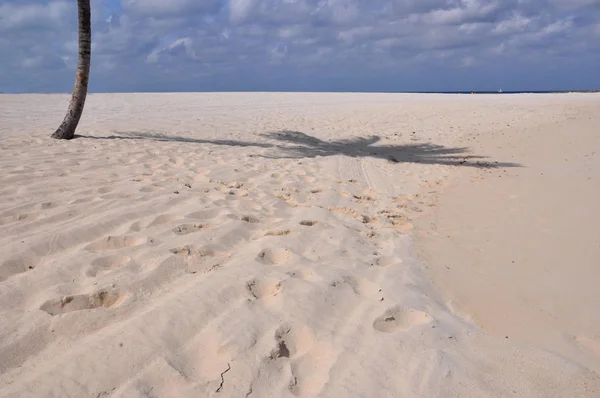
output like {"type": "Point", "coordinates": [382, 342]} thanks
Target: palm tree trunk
{"type": "Point", "coordinates": [66, 131]}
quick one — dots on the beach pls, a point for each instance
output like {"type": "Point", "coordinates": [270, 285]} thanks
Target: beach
{"type": "Point", "coordinates": [300, 244]}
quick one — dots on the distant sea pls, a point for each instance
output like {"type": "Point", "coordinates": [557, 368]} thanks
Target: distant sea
{"type": "Point", "coordinates": [506, 92]}
{"type": "Point", "coordinates": [366, 92]}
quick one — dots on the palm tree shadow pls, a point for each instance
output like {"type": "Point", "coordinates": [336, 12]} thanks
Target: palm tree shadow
{"type": "Point", "coordinates": [135, 135]}
{"type": "Point", "coordinates": [298, 145]}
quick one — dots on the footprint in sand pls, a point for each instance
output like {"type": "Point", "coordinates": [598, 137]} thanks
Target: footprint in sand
{"type": "Point", "coordinates": [280, 232]}
{"type": "Point", "coordinates": [304, 274]}
{"type": "Point", "coordinates": [310, 372]}
{"type": "Point", "coordinates": [177, 161]}
{"type": "Point", "coordinates": [365, 196]}
{"type": "Point", "coordinates": [151, 188]}
{"type": "Point", "coordinates": [20, 217]}
{"type": "Point", "coordinates": [387, 261]}
{"type": "Point", "coordinates": [249, 219]}
{"type": "Point", "coordinates": [309, 361]}
{"type": "Point", "coordinates": [137, 226]}
{"type": "Point", "coordinates": [205, 214]}
{"type": "Point", "coordinates": [107, 263]}
{"type": "Point", "coordinates": [346, 211]}
{"type": "Point", "coordinates": [401, 318]}
{"type": "Point", "coordinates": [292, 342]}
{"type": "Point", "coordinates": [201, 259]}
{"type": "Point", "coordinates": [361, 287]}
{"type": "Point", "coordinates": [164, 219]}
{"type": "Point", "coordinates": [144, 180]}
{"type": "Point", "coordinates": [264, 288]}
{"type": "Point", "coordinates": [103, 298]}
{"type": "Point", "coordinates": [48, 205]}
{"type": "Point", "coordinates": [399, 221]}
{"type": "Point", "coordinates": [275, 256]}
{"type": "Point", "coordinates": [186, 229]}
{"type": "Point", "coordinates": [116, 242]}
{"type": "Point", "coordinates": [18, 265]}
{"type": "Point", "coordinates": [104, 190]}
{"type": "Point", "coordinates": [83, 200]}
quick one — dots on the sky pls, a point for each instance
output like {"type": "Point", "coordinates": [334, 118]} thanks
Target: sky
{"type": "Point", "coordinates": [304, 45]}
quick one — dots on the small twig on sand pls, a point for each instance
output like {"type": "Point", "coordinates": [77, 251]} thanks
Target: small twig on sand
{"type": "Point", "coordinates": [222, 379]}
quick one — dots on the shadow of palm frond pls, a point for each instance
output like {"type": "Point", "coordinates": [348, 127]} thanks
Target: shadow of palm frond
{"type": "Point", "coordinates": [135, 135]}
{"type": "Point", "coordinates": [300, 145]}
{"type": "Point", "coordinates": [296, 145]}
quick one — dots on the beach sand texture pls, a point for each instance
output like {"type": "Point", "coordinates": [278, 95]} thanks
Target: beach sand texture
{"type": "Point", "coordinates": [263, 245]}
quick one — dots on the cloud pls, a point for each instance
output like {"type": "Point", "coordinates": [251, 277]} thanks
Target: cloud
{"type": "Point", "coordinates": [169, 8]}
{"type": "Point", "coordinates": [14, 16]}
{"type": "Point", "coordinates": [387, 45]}
{"type": "Point", "coordinates": [462, 12]}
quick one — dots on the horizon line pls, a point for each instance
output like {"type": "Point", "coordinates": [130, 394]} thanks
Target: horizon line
{"type": "Point", "coordinates": [310, 92]}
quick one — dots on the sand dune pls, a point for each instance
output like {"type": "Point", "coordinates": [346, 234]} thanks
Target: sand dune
{"type": "Point", "coordinates": [253, 245]}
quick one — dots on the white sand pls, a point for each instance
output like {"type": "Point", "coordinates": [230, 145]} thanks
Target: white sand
{"type": "Point", "coordinates": [518, 250]}
{"type": "Point", "coordinates": [177, 251]}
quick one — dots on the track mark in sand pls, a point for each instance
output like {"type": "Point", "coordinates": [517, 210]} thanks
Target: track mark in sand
{"type": "Point", "coordinates": [102, 298]}
{"type": "Point", "coordinates": [205, 214]}
{"type": "Point", "coordinates": [588, 345]}
{"type": "Point", "coordinates": [285, 196]}
{"type": "Point", "coordinates": [364, 198]}
{"type": "Point", "coordinates": [164, 219]}
{"type": "Point", "coordinates": [82, 200]}
{"type": "Point", "coordinates": [401, 318]}
{"type": "Point", "coordinates": [392, 216]}
{"type": "Point", "coordinates": [249, 219]}
{"type": "Point", "coordinates": [151, 188]}
{"type": "Point", "coordinates": [18, 265]}
{"type": "Point", "coordinates": [263, 288]}
{"type": "Point", "coordinates": [145, 180]}
{"type": "Point", "coordinates": [361, 287]}
{"type": "Point", "coordinates": [387, 261]}
{"type": "Point", "coordinates": [177, 161]}
{"type": "Point", "coordinates": [234, 184]}
{"type": "Point", "coordinates": [275, 256]}
{"type": "Point", "coordinates": [282, 232]}
{"type": "Point", "coordinates": [201, 259]}
{"type": "Point", "coordinates": [111, 261]}
{"type": "Point", "coordinates": [186, 229]}
{"type": "Point", "coordinates": [352, 213]}
{"type": "Point", "coordinates": [48, 205]}
{"type": "Point", "coordinates": [20, 217]}
{"type": "Point", "coordinates": [104, 190]}
{"type": "Point", "coordinates": [399, 221]}
{"type": "Point", "coordinates": [106, 263]}
{"type": "Point", "coordinates": [136, 226]}
{"type": "Point", "coordinates": [403, 227]}
{"type": "Point", "coordinates": [308, 223]}
{"type": "Point", "coordinates": [116, 242]}
{"type": "Point", "coordinates": [302, 273]}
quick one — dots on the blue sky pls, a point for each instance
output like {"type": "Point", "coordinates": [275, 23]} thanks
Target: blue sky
{"type": "Point", "coordinates": [304, 45]}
